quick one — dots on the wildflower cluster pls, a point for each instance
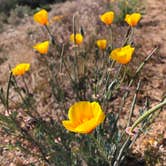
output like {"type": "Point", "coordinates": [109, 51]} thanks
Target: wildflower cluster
{"type": "Point", "coordinates": [99, 139]}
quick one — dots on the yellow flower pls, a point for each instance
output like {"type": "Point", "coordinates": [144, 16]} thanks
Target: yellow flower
{"type": "Point", "coordinates": [133, 19]}
{"type": "Point", "coordinates": [122, 55]}
{"type": "Point", "coordinates": [77, 38]}
{"type": "Point", "coordinates": [84, 117]}
{"type": "Point", "coordinates": [42, 47]}
{"type": "Point", "coordinates": [107, 17]}
{"type": "Point", "coordinates": [102, 44]}
{"type": "Point", "coordinates": [41, 17]}
{"type": "Point", "coordinates": [20, 69]}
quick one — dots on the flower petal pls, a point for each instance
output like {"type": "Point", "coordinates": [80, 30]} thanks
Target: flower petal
{"type": "Point", "coordinates": [87, 126]}
{"type": "Point", "coordinates": [80, 111]}
{"type": "Point", "coordinates": [133, 19]}
{"type": "Point", "coordinates": [42, 47]}
{"type": "Point", "coordinates": [41, 17]}
{"type": "Point", "coordinates": [69, 125]}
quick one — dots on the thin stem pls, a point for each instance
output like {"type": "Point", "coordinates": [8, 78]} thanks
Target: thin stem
{"type": "Point", "coordinates": [133, 104]}
{"type": "Point", "coordinates": [61, 58]}
{"type": "Point", "coordinates": [118, 72]}
{"type": "Point", "coordinates": [123, 77]}
{"type": "Point", "coordinates": [23, 132]}
{"type": "Point", "coordinates": [126, 37]}
{"type": "Point", "coordinates": [52, 39]}
{"type": "Point", "coordinates": [117, 162]}
{"type": "Point", "coordinates": [111, 34]}
{"type": "Point", "coordinates": [26, 86]}
{"type": "Point", "coordinates": [68, 72]}
{"type": "Point", "coordinates": [75, 52]}
{"type": "Point", "coordinates": [76, 63]}
{"type": "Point", "coordinates": [144, 62]}
{"type": "Point", "coordinates": [131, 36]}
{"type": "Point", "coordinates": [100, 148]}
{"type": "Point", "coordinates": [147, 113]}
{"type": "Point", "coordinates": [107, 76]}
{"type": "Point", "coordinates": [104, 60]}
{"type": "Point", "coordinates": [112, 63]}
{"type": "Point", "coordinates": [132, 80]}
{"type": "Point", "coordinates": [17, 89]}
{"type": "Point", "coordinates": [7, 93]}
{"type": "Point", "coordinates": [74, 29]}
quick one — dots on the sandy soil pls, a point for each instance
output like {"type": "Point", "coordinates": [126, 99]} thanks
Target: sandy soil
{"type": "Point", "coordinates": [152, 33]}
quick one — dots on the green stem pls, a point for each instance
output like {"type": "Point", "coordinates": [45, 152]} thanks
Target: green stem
{"type": "Point", "coordinates": [126, 38]}
{"type": "Point", "coordinates": [52, 39]}
{"type": "Point", "coordinates": [147, 113]}
{"type": "Point", "coordinates": [23, 132]}
{"type": "Point", "coordinates": [117, 161]}
{"type": "Point", "coordinates": [133, 104]}
{"type": "Point", "coordinates": [112, 64]}
{"type": "Point", "coordinates": [123, 77]}
{"type": "Point", "coordinates": [7, 93]}
{"type": "Point", "coordinates": [111, 34]}
{"type": "Point", "coordinates": [100, 148]}
{"type": "Point", "coordinates": [96, 76]}
{"type": "Point", "coordinates": [68, 71]}
{"type": "Point", "coordinates": [75, 51]}
{"type": "Point", "coordinates": [131, 36]}
{"type": "Point", "coordinates": [26, 86]}
{"type": "Point", "coordinates": [107, 76]}
{"type": "Point", "coordinates": [132, 80]}
{"type": "Point", "coordinates": [104, 60]}
{"type": "Point", "coordinates": [76, 63]}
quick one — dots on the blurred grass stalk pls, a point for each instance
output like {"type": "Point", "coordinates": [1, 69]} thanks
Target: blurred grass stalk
{"type": "Point", "coordinates": [147, 114]}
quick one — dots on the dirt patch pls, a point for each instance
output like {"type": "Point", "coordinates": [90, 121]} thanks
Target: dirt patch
{"type": "Point", "coordinates": [151, 34]}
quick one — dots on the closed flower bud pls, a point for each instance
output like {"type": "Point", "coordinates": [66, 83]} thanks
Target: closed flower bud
{"type": "Point", "coordinates": [77, 38]}
{"type": "Point", "coordinates": [101, 44]}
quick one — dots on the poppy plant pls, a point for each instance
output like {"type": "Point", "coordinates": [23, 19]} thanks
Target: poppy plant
{"type": "Point", "coordinates": [41, 17]}
{"type": "Point", "coordinates": [133, 19]}
{"type": "Point", "coordinates": [77, 38]}
{"type": "Point", "coordinates": [122, 55]}
{"type": "Point", "coordinates": [20, 69]}
{"type": "Point", "coordinates": [107, 17]}
{"type": "Point", "coordinates": [84, 117]}
{"type": "Point", "coordinates": [42, 47]}
{"type": "Point", "coordinates": [101, 44]}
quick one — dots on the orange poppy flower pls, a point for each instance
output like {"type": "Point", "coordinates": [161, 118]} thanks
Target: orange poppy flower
{"type": "Point", "coordinates": [122, 55]}
{"type": "Point", "coordinates": [78, 38]}
{"type": "Point", "coordinates": [20, 69]}
{"type": "Point", "coordinates": [101, 44]}
{"type": "Point", "coordinates": [84, 117]}
{"type": "Point", "coordinates": [133, 19]}
{"type": "Point", "coordinates": [42, 47]}
{"type": "Point", "coordinates": [41, 17]}
{"type": "Point", "coordinates": [107, 18]}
